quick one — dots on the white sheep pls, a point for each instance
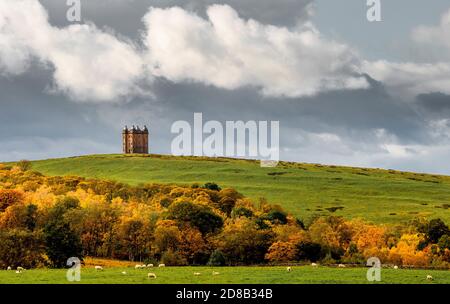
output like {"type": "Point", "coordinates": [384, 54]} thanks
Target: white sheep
{"type": "Point", "coordinates": [20, 269]}
{"type": "Point", "coordinates": [395, 267]}
{"type": "Point", "coordinates": [313, 264]}
{"type": "Point", "coordinates": [215, 273]}
{"type": "Point", "coordinates": [430, 277]}
{"type": "Point", "coordinates": [151, 275]}
{"type": "Point", "coordinates": [289, 269]}
{"type": "Point", "coordinates": [149, 265]}
{"type": "Point", "coordinates": [197, 273]}
{"type": "Point", "coordinates": [162, 265]}
{"type": "Point", "coordinates": [341, 266]}
{"type": "Point", "coordinates": [138, 266]}
{"type": "Point", "coordinates": [9, 268]}
{"type": "Point", "coordinates": [98, 268]}
{"type": "Point", "coordinates": [124, 272]}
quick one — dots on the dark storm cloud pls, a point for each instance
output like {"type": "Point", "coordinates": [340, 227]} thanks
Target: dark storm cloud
{"type": "Point", "coordinates": [437, 104]}
{"type": "Point", "coordinates": [358, 110]}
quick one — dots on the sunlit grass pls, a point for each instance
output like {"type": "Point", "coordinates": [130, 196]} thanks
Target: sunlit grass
{"type": "Point", "coordinates": [381, 196]}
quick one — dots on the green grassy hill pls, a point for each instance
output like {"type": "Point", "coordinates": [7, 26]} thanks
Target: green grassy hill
{"type": "Point", "coordinates": [381, 196]}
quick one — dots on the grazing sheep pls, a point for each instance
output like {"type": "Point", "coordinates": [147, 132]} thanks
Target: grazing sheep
{"type": "Point", "coordinates": [9, 268]}
{"type": "Point", "coordinates": [124, 272]}
{"type": "Point", "coordinates": [341, 266]}
{"type": "Point", "coordinates": [138, 266]}
{"type": "Point", "coordinates": [395, 267]}
{"type": "Point", "coordinates": [289, 269]}
{"type": "Point", "coordinates": [215, 273]}
{"type": "Point", "coordinates": [151, 275]}
{"type": "Point", "coordinates": [313, 264]}
{"type": "Point", "coordinates": [149, 265]}
{"type": "Point", "coordinates": [98, 268]}
{"type": "Point", "coordinates": [197, 273]}
{"type": "Point", "coordinates": [20, 269]}
{"type": "Point", "coordinates": [162, 265]}
{"type": "Point", "coordinates": [430, 277]}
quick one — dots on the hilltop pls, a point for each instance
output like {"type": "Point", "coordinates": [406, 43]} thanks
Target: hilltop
{"type": "Point", "coordinates": [305, 190]}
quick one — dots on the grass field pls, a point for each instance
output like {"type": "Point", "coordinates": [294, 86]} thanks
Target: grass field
{"type": "Point", "coordinates": [380, 196]}
{"type": "Point", "coordinates": [228, 275]}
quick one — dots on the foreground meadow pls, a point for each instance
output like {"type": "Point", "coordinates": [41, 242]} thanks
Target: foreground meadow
{"type": "Point", "coordinates": [228, 275]}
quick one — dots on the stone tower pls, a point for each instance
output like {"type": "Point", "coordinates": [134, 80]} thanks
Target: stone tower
{"type": "Point", "coordinates": [135, 140]}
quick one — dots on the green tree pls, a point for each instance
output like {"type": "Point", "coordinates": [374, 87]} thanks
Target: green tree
{"type": "Point", "coordinates": [434, 230]}
{"type": "Point", "coordinates": [216, 259]}
{"type": "Point", "coordinates": [60, 240]}
{"type": "Point", "coordinates": [199, 216]}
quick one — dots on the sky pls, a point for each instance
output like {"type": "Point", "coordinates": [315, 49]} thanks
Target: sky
{"type": "Point", "coordinates": [346, 91]}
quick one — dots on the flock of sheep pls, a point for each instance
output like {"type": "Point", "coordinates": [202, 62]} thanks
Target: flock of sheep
{"type": "Point", "coordinates": [289, 269]}
{"type": "Point", "coordinates": [152, 275]}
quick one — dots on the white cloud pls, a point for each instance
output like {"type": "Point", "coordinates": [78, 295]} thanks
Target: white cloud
{"type": "Point", "coordinates": [229, 52]}
{"type": "Point", "coordinates": [434, 35]}
{"type": "Point", "coordinates": [409, 78]}
{"type": "Point", "coordinates": [89, 64]}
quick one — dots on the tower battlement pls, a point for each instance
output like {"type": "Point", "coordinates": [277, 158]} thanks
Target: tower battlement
{"type": "Point", "coordinates": [135, 140]}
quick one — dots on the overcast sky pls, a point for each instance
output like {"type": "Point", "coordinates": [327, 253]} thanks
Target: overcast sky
{"type": "Point", "coordinates": [346, 91]}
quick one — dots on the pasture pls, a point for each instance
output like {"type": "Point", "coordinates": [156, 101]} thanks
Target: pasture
{"type": "Point", "coordinates": [228, 275]}
{"type": "Point", "coordinates": [305, 190]}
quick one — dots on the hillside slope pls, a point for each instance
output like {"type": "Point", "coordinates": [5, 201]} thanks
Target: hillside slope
{"type": "Point", "coordinates": [381, 196]}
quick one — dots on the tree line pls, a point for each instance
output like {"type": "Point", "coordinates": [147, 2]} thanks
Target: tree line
{"type": "Point", "coordinates": [45, 220]}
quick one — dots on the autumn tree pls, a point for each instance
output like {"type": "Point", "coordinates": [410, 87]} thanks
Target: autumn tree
{"type": "Point", "coordinates": [243, 243]}
{"type": "Point", "coordinates": [282, 252]}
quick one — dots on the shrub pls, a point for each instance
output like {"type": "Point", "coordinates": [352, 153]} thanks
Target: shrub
{"type": "Point", "coordinates": [212, 186]}
{"type": "Point", "coordinates": [173, 258]}
{"type": "Point", "coordinates": [444, 242]}
{"type": "Point", "coordinates": [216, 259]}
{"type": "Point", "coordinates": [241, 211]}
{"type": "Point", "coordinates": [24, 165]}
{"type": "Point", "coordinates": [277, 217]}
{"type": "Point", "coordinates": [9, 197]}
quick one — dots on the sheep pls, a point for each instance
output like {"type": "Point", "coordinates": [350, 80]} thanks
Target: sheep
{"type": "Point", "coordinates": [138, 266]}
{"type": "Point", "coordinates": [98, 268]}
{"type": "Point", "coordinates": [289, 269]}
{"type": "Point", "coordinates": [162, 265]}
{"type": "Point", "coordinates": [341, 266]}
{"type": "Point", "coordinates": [151, 275]}
{"type": "Point", "coordinates": [9, 268]}
{"type": "Point", "coordinates": [197, 273]}
{"type": "Point", "coordinates": [20, 269]}
{"type": "Point", "coordinates": [149, 265]}
{"type": "Point", "coordinates": [313, 264]}
{"type": "Point", "coordinates": [395, 267]}
{"type": "Point", "coordinates": [215, 273]}
{"type": "Point", "coordinates": [430, 277]}
{"type": "Point", "coordinates": [124, 272]}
